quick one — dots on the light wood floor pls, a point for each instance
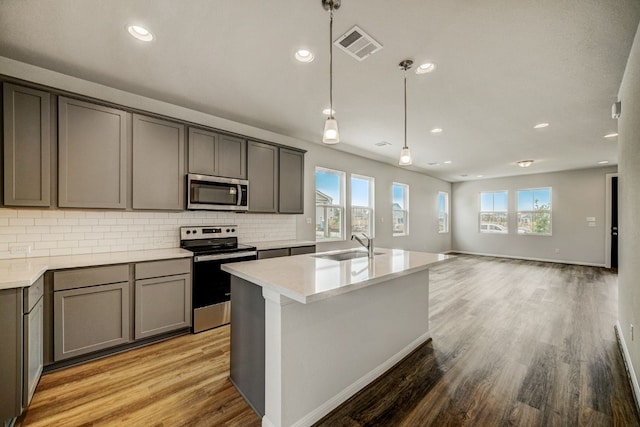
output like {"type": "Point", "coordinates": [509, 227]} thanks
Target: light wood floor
{"type": "Point", "coordinates": [515, 343]}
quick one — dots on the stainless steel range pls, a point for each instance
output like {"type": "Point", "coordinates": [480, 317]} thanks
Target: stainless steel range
{"type": "Point", "coordinates": [213, 246]}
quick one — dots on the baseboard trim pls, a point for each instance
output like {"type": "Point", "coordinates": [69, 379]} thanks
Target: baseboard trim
{"type": "Point", "coordinates": [337, 400]}
{"type": "Point", "coordinates": [266, 422]}
{"type": "Point", "coordinates": [631, 374]}
{"type": "Point", "coordinates": [557, 261]}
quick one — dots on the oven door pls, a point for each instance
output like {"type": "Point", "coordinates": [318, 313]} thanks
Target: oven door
{"type": "Point", "coordinates": [212, 288]}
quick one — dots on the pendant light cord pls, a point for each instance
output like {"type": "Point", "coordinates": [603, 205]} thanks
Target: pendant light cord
{"type": "Point", "coordinates": [331, 61]}
{"type": "Point", "coordinates": [405, 108]}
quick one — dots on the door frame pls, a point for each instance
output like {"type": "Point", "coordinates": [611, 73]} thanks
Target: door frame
{"type": "Point", "coordinates": [607, 218]}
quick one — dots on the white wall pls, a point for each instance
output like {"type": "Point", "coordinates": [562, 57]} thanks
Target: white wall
{"type": "Point", "coordinates": [629, 204]}
{"type": "Point", "coordinates": [423, 189]}
{"type": "Point", "coordinates": [576, 195]}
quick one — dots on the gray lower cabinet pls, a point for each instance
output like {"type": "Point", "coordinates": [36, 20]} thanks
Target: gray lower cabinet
{"type": "Point", "coordinates": [211, 153]}
{"type": "Point", "coordinates": [291, 181]}
{"type": "Point", "coordinates": [162, 297]}
{"type": "Point", "coordinates": [90, 310]}
{"type": "Point", "coordinates": [300, 250]}
{"type": "Point", "coordinates": [262, 170]}
{"type": "Point", "coordinates": [92, 155]}
{"type": "Point", "coordinates": [280, 252]}
{"type": "Point", "coordinates": [27, 146]}
{"type": "Point", "coordinates": [21, 352]}
{"type": "Point", "coordinates": [158, 164]}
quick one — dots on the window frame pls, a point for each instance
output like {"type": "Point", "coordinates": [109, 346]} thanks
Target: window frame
{"type": "Point", "coordinates": [405, 210]}
{"type": "Point", "coordinates": [532, 212]}
{"type": "Point", "coordinates": [371, 208]}
{"type": "Point", "coordinates": [445, 212]}
{"type": "Point", "coordinates": [493, 211]}
{"type": "Point", "coordinates": [340, 206]}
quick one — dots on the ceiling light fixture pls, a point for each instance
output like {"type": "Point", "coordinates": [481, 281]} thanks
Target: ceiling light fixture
{"type": "Point", "coordinates": [603, 162]}
{"type": "Point", "coordinates": [525, 163]}
{"type": "Point", "coordinates": [425, 68]}
{"type": "Point", "coordinates": [140, 33]}
{"type": "Point", "coordinates": [611, 135]}
{"type": "Point", "coordinates": [447, 162]}
{"type": "Point", "coordinates": [405, 154]}
{"type": "Point", "coordinates": [436, 130]}
{"type": "Point", "coordinates": [304, 55]}
{"type": "Point", "coordinates": [541, 125]}
{"type": "Point", "coordinates": [331, 134]}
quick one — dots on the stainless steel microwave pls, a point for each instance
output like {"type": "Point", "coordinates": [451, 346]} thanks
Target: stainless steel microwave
{"type": "Point", "coordinates": [215, 193]}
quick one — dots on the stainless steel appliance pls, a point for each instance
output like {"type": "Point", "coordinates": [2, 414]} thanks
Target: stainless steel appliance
{"type": "Point", "coordinates": [213, 246]}
{"type": "Point", "coordinates": [206, 192]}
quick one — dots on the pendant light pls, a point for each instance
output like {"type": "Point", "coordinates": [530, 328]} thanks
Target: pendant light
{"type": "Point", "coordinates": [331, 134]}
{"type": "Point", "coordinates": [405, 154]}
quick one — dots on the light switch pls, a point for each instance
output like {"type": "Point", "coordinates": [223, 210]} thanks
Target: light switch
{"type": "Point", "coordinates": [591, 219]}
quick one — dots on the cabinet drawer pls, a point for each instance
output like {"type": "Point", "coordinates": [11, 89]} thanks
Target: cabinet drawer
{"type": "Point", "coordinates": [82, 277]}
{"type": "Point", "coordinates": [273, 253]}
{"type": "Point", "coordinates": [32, 294]}
{"type": "Point", "coordinates": [299, 250]}
{"type": "Point", "coordinates": [146, 270]}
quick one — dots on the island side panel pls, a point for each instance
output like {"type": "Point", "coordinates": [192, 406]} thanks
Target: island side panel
{"type": "Point", "coordinates": [320, 354]}
{"type": "Point", "coordinates": [247, 342]}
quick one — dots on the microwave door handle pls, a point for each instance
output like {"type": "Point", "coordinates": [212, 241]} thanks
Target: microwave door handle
{"type": "Point", "coordinates": [239, 195]}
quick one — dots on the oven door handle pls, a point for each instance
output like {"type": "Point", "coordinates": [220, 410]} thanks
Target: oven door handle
{"type": "Point", "coordinates": [201, 258]}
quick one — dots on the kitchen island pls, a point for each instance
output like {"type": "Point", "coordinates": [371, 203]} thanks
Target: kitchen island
{"type": "Point", "coordinates": [309, 331]}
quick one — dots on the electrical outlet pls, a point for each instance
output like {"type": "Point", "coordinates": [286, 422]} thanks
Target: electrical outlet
{"type": "Point", "coordinates": [20, 250]}
{"type": "Point", "coordinates": [309, 220]}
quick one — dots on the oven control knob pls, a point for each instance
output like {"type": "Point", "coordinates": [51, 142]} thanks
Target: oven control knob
{"type": "Point", "coordinates": [233, 230]}
{"type": "Point", "coordinates": [195, 231]}
{"type": "Point", "coordinates": [188, 231]}
{"type": "Point", "coordinates": [228, 230]}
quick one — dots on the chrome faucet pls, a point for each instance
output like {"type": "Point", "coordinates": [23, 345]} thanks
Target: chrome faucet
{"type": "Point", "coordinates": [369, 244]}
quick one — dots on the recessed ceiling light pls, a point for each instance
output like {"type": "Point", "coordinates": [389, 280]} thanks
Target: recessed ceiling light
{"type": "Point", "coordinates": [304, 55]}
{"type": "Point", "coordinates": [447, 162]}
{"type": "Point", "coordinates": [140, 33]}
{"type": "Point", "coordinates": [479, 176]}
{"type": "Point", "coordinates": [611, 135]}
{"type": "Point", "coordinates": [541, 125]}
{"type": "Point", "coordinates": [328, 112]}
{"type": "Point", "coordinates": [603, 162]}
{"type": "Point", "coordinates": [525, 163]}
{"type": "Point", "coordinates": [425, 68]}
{"type": "Point", "coordinates": [436, 130]}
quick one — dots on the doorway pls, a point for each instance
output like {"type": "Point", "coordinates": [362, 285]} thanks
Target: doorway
{"type": "Point", "coordinates": [611, 222]}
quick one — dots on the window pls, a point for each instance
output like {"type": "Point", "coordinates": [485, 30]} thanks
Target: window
{"type": "Point", "coordinates": [493, 212]}
{"type": "Point", "coordinates": [443, 212]}
{"type": "Point", "coordinates": [534, 211]}
{"type": "Point", "coordinates": [362, 204]}
{"type": "Point", "coordinates": [329, 204]}
{"type": "Point", "coordinates": [400, 209]}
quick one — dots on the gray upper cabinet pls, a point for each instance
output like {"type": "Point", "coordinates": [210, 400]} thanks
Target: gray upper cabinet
{"type": "Point", "coordinates": [216, 154]}
{"type": "Point", "coordinates": [92, 156]}
{"type": "Point", "coordinates": [262, 166]}
{"type": "Point", "coordinates": [291, 181]}
{"type": "Point", "coordinates": [27, 147]}
{"type": "Point", "coordinates": [158, 164]}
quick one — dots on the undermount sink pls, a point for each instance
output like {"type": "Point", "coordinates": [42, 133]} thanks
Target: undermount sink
{"type": "Point", "coordinates": [345, 256]}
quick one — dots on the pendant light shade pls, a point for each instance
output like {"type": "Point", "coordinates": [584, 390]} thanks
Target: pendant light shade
{"type": "Point", "coordinates": [331, 135]}
{"type": "Point", "coordinates": [405, 154]}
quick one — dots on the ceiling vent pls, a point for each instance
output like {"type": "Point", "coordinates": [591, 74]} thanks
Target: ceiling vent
{"type": "Point", "coordinates": [382, 143]}
{"type": "Point", "coordinates": [357, 43]}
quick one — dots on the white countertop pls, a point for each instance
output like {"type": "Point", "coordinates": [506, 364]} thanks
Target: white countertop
{"type": "Point", "coordinates": [280, 244]}
{"type": "Point", "coordinates": [23, 272]}
{"type": "Point", "coordinates": [307, 278]}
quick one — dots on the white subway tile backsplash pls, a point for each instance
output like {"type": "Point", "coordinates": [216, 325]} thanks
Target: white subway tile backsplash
{"type": "Point", "coordinates": [60, 232]}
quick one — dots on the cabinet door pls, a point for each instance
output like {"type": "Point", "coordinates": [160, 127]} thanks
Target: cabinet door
{"type": "Point", "coordinates": [203, 154]}
{"type": "Point", "coordinates": [262, 168]}
{"type": "Point", "coordinates": [33, 351]}
{"type": "Point", "coordinates": [163, 304]}
{"type": "Point", "coordinates": [90, 319]}
{"type": "Point", "coordinates": [300, 250]}
{"type": "Point", "coordinates": [232, 157]}
{"type": "Point", "coordinates": [273, 253]}
{"type": "Point", "coordinates": [27, 146]}
{"type": "Point", "coordinates": [92, 159]}
{"type": "Point", "coordinates": [291, 181]}
{"type": "Point", "coordinates": [158, 164]}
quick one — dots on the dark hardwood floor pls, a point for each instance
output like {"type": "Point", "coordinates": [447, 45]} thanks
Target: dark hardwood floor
{"type": "Point", "coordinates": [515, 343]}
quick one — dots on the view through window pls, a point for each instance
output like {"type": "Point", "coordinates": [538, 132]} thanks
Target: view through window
{"type": "Point", "coordinates": [362, 203]}
{"type": "Point", "coordinates": [534, 211]}
{"type": "Point", "coordinates": [493, 212]}
{"type": "Point", "coordinates": [443, 212]}
{"type": "Point", "coordinates": [400, 221]}
{"type": "Point", "coordinates": [329, 204]}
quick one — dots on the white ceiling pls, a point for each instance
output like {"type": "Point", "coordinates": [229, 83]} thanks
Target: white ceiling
{"type": "Point", "coordinates": [502, 66]}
